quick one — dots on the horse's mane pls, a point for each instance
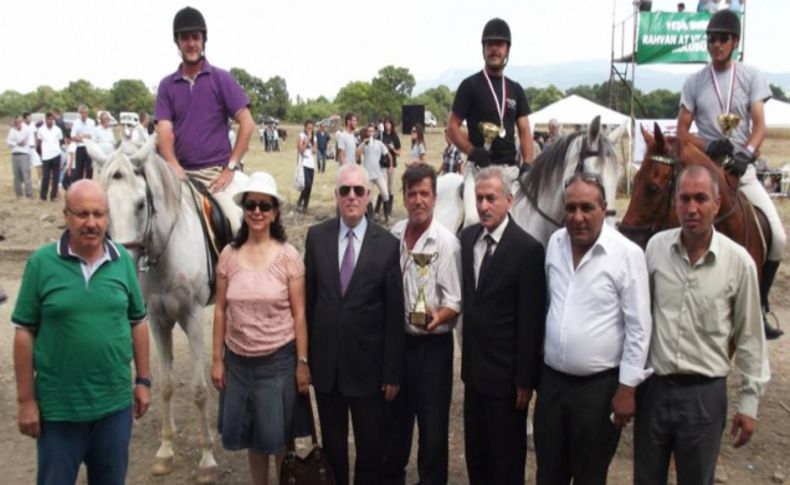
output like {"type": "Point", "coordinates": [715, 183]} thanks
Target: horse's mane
{"type": "Point", "coordinates": [548, 168]}
{"type": "Point", "coordinates": [159, 177]}
{"type": "Point", "coordinates": [164, 181]}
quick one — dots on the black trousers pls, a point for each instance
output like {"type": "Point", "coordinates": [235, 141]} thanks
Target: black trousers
{"type": "Point", "coordinates": [425, 393]}
{"type": "Point", "coordinates": [367, 416]}
{"type": "Point", "coordinates": [495, 439]}
{"type": "Point", "coordinates": [681, 415]}
{"type": "Point", "coordinates": [304, 196]}
{"type": "Point", "coordinates": [575, 438]}
{"type": "Point", "coordinates": [83, 165]}
{"type": "Point", "coordinates": [50, 171]}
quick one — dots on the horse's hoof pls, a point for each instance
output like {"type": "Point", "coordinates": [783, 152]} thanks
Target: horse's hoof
{"type": "Point", "coordinates": [207, 475]}
{"type": "Point", "coordinates": [163, 466]}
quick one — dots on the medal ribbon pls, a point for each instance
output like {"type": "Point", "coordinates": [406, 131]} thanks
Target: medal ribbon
{"type": "Point", "coordinates": [725, 110]}
{"type": "Point", "coordinates": [500, 109]}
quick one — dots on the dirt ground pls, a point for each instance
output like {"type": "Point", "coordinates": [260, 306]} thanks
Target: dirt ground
{"type": "Point", "coordinates": [26, 224]}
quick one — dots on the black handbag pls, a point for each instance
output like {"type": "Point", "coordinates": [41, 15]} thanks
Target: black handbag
{"type": "Point", "coordinates": [314, 468]}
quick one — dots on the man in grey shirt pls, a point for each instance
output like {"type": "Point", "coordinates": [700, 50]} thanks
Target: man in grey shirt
{"type": "Point", "coordinates": [726, 89]}
{"type": "Point", "coordinates": [346, 142]}
{"type": "Point", "coordinates": [371, 151]}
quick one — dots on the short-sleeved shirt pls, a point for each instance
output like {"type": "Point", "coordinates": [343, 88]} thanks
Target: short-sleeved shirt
{"type": "Point", "coordinates": [50, 139]}
{"type": "Point", "coordinates": [259, 319]}
{"type": "Point", "coordinates": [199, 110]}
{"type": "Point", "coordinates": [416, 151]}
{"type": "Point", "coordinates": [105, 138]}
{"type": "Point", "coordinates": [474, 103]}
{"type": "Point", "coordinates": [322, 139]}
{"type": "Point", "coordinates": [371, 158]}
{"type": "Point", "coordinates": [79, 128]}
{"type": "Point", "coordinates": [348, 143]}
{"type": "Point", "coordinates": [82, 323]}
{"type": "Point", "coordinates": [699, 98]}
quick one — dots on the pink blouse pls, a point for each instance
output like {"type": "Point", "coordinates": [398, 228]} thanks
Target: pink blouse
{"type": "Point", "coordinates": [258, 318]}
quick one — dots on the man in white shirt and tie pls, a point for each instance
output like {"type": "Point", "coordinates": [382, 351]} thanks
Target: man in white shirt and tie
{"type": "Point", "coordinates": [597, 338]}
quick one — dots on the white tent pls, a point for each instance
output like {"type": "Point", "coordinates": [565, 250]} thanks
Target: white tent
{"type": "Point", "coordinates": [777, 114]}
{"type": "Point", "coordinates": [575, 110]}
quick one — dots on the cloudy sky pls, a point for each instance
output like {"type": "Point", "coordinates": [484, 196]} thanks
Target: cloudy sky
{"type": "Point", "coordinates": [318, 46]}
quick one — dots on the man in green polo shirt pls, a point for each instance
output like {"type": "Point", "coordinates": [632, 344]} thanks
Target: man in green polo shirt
{"type": "Point", "coordinates": [79, 322]}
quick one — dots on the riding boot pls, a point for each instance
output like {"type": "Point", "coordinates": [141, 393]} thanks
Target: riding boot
{"type": "Point", "coordinates": [769, 273]}
{"type": "Point", "coordinates": [388, 209]}
{"type": "Point", "coordinates": [379, 201]}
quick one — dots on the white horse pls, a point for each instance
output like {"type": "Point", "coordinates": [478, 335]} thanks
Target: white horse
{"type": "Point", "coordinates": [153, 214]}
{"type": "Point", "coordinates": [537, 203]}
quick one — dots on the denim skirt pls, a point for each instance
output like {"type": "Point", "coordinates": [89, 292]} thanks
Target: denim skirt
{"type": "Point", "coordinates": [256, 406]}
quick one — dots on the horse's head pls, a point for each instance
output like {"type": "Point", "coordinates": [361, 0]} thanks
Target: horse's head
{"type": "Point", "coordinates": [122, 176]}
{"type": "Point", "coordinates": [650, 208]}
{"type": "Point", "coordinates": [594, 153]}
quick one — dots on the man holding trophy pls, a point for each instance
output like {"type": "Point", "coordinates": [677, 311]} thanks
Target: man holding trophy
{"type": "Point", "coordinates": [726, 99]}
{"type": "Point", "coordinates": [493, 107]}
{"type": "Point", "coordinates": [430, 258]}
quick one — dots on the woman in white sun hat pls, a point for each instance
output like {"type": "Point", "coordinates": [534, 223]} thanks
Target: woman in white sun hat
{"type": "Point", "coordinates": [260, 333]}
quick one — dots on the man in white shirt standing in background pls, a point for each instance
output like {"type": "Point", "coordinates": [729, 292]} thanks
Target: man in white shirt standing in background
{"type": "Point", "coordinates": [346, 141]}
{"type": "Point", "coordinates": [82, 129]}
{"type": "Point", "coordinates": [50, 137]}
{"type": "Point", "coordinates": [20, 159]}
{"type": "Point", "coordinates": [597, 337]}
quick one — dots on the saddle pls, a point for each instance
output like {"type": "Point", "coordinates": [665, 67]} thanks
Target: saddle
{"type": "Point", "coordinates": [217, 230]}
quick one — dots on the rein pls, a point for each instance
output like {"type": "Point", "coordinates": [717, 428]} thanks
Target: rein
{"type": "Point", "coordinates": [145, 242]}
{"type": "Point", "coordinates": [654, 226]}
{"type": "Point", "coordinates": [584, 153]}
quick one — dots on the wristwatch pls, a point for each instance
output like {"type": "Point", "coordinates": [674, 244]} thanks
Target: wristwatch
{"type": "Point", "coordinates": [303, 360]}
{"type": "Point", "coordinates": [233, 165]}
{"type": "Point", "coordinates": [143, 381]}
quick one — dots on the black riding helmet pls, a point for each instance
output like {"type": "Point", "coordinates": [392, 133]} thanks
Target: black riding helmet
{"type": "Point", "coordinates": [189, 19]}
{"type": "Point", "coordinates": [724, 22]}
{"type": "Point", "coordinates": [496, 29]}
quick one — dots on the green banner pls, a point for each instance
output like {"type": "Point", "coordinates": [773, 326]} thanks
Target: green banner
{"type": "Point", "coordinates": [673, 38]}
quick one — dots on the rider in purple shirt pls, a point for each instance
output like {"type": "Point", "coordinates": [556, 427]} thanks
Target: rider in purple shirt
{"type": "Point", "coordinates": [193, 106]}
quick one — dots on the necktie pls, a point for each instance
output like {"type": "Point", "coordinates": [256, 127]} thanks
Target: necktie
{"type": "Point", "coordinates": [487, 255]}
{"type": "Point", "coordinates": [347, 265]}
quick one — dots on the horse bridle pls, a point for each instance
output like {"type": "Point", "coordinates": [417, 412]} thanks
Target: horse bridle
{"type": "Point", "coordinates": [584, 153]}
{"type": "Point", "coordinates": [654, 226]}
{"type": "Point", "coordinates": [144, 243]}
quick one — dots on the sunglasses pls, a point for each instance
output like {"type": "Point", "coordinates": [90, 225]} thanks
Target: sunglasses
{"type": "Point", "coordinates": [588, 178]}
{"type": "Point", "coordinates": [720, 38]}
{"type": "Point", "coordinates": [344, 190]}
{"type": "Point", "coordinates": [262, 205]}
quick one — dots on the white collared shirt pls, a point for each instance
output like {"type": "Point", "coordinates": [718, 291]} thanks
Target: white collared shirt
{"type": "Point", "coordinates": [50, 141]}
{"type": "Point", "coordinates": [599, 314]}
{"type": "Point", "coordinates": [79, 127]}
{"type": "Point", "coordinates": [342, 242]}
{"type": "Point", "coordinates": [444, 277]}
{"type": "Point", "coordinates": [481, 245]}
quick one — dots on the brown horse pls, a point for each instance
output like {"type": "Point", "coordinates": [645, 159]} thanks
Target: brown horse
{"type": "Point", "coordinates": [652, 209]}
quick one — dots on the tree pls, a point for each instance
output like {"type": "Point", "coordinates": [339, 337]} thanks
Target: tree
{"type": "Point", "coordinates": [82, 92]}
{"type": "Point", "coordinates": [778, 93]}
{"type": "Point", "coordinates": [277, 101]}
{"type": "Point", "coordinates": [254, 87]}
{"type": "Point", "coordinates": [544, 97]}
{"type": "Point", "coordinates": [316, 110]}
{"type": "Point", "coordinates": [130, 95]}
{"type": "Point", "coordinates": [389, 91]}
{"type": "Point", "coordinates": [355, 97]}
{"type": "Point", "coordinates": [43, 98]}
{"type": "Point", "coordinates": [12, 103]}
{"type": "Point", "coordinates": [437, 100]}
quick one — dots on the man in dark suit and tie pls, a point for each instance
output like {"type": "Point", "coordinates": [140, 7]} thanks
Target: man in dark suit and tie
{"type": "Point", "coordinates": [355, 323]}
{"type": "Point", "coordinates": [504, 307]}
